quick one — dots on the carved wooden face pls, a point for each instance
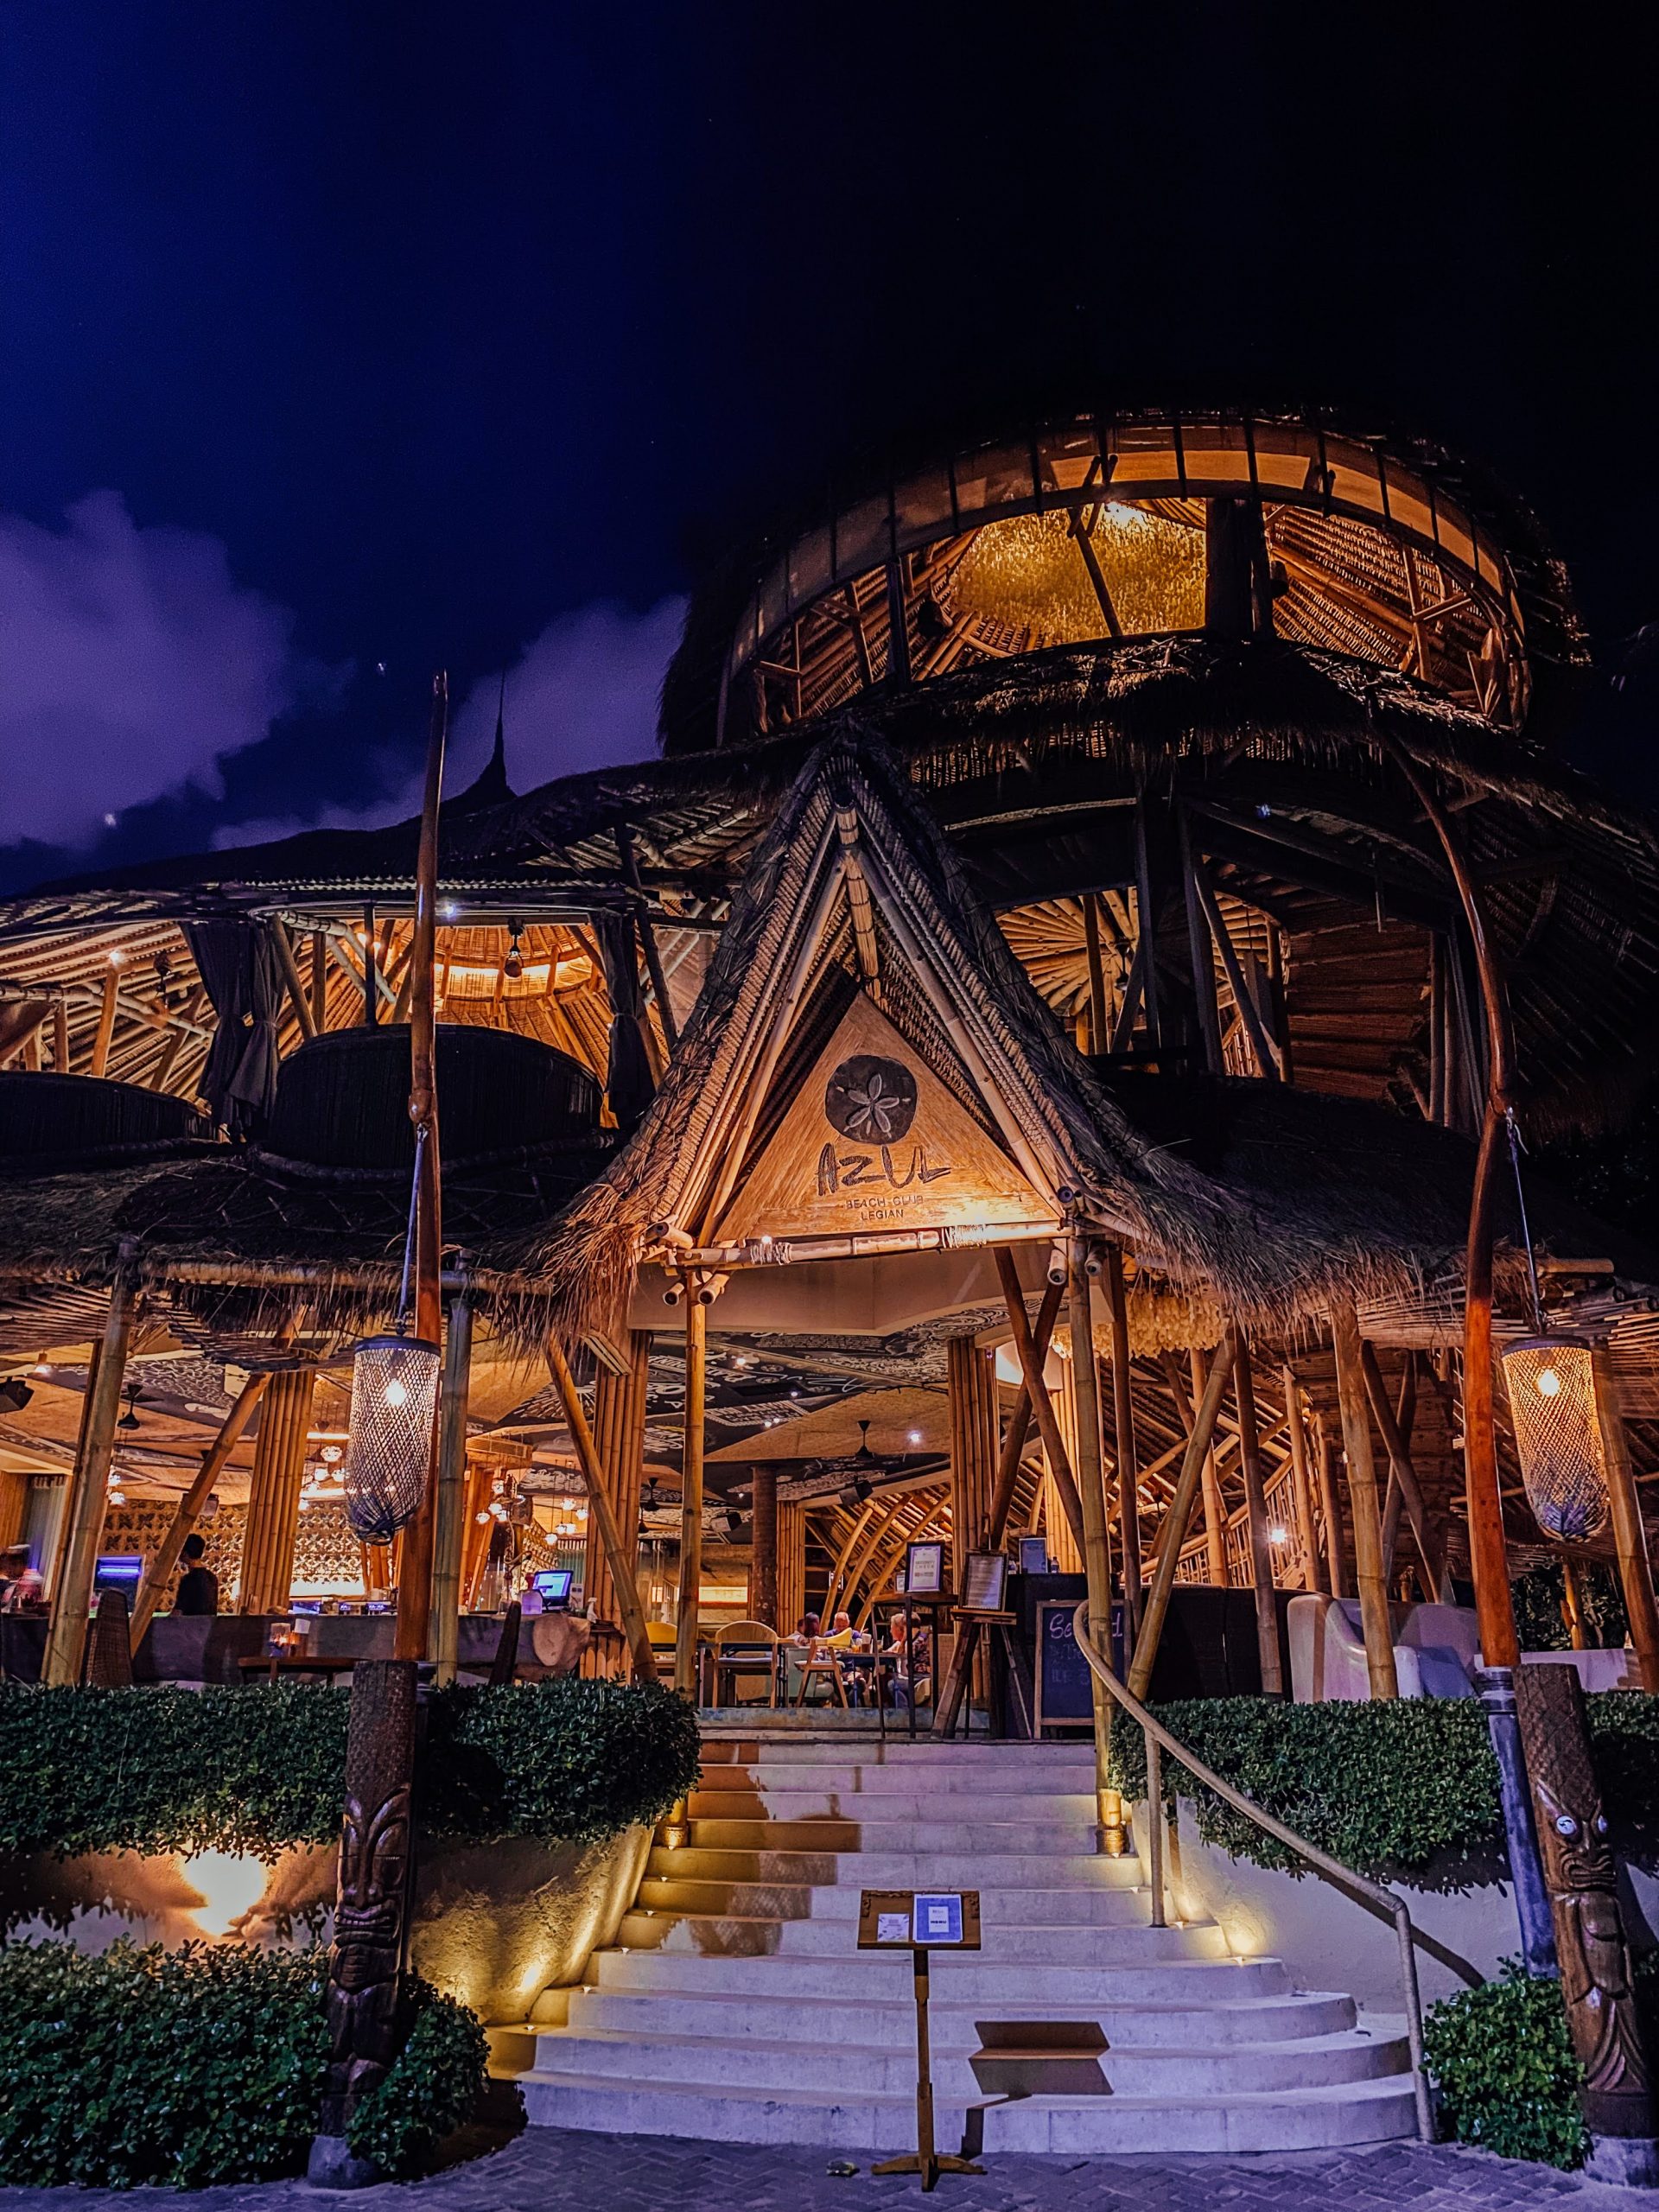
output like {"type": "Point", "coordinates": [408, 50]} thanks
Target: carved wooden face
{"type": "Point", "coordinates": [373, 1866]}
{"type": "Point", "coordinates": [1573, 1833]}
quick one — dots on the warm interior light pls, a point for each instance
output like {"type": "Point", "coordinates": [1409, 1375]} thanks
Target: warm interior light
{"type": "Point", "coordinates": [1549, 1383]}
{"type": "Point", "coordinates": [396, 1394]}
{"type": "Point", "coordinates": [228, 1885]}
{"type": "Point", "coordinates": [1278, 1535]}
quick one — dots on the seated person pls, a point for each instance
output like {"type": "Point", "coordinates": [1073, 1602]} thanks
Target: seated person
{"type": "Point", "coordinates": [22, 1585]}
{"type": "Point", "coordinates": [842, 1635]}
{"type": "Point", "coordinates": [198, 1592]}
{"type": "Point", "coordinates": [806, 1632]}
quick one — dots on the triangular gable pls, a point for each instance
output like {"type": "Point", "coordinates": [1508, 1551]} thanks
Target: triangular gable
{"type": "Point", "coordinates": [873, 1143]}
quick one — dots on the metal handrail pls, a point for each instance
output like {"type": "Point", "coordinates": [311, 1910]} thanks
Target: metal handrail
{"type": "Point", "coordinates": [1375, 1896]}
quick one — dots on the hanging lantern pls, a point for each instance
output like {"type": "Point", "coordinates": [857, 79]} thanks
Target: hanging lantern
{"type": "Point", "coordinates": [394, 1395]}
{"type": "Point", "coordinates": [1552, 1386]}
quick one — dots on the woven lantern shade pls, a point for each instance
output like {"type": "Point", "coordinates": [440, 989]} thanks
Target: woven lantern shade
{"type": "Point", "coordinates": [394, 1394]}
{"type": "Point", "coordinates": [1551, 1383]}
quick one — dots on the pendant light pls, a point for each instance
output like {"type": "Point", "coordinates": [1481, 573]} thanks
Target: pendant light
{"type": "Point", "coordinates": [394, 1397]}
{"type": "Point", "coordinates": [1551, 1382]}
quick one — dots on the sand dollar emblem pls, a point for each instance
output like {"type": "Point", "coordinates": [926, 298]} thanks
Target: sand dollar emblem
{"type": "Point", "coordinates": [873, 1101]}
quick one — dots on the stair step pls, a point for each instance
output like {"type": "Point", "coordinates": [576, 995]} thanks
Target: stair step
{"type": "Point", "coordinates": [1031, 1839]}
{"type": "Point", "coordinates": [734, 1935]}
{"type": "Point", "coordinates": [1090, 1907]}
{"type": "Point", "coordinates": [1319, 2119]}
{"type": "Point", "coordinates": [882, 2068]}
{"type": "Point", "coordinates": [835, 2022]}
{"type": "Point", "coordinates": [873, 1809]}
{"type": "Point", "coordinates": [893, 1869]}
{"type": "Point", "coordinates": [965, 1977]}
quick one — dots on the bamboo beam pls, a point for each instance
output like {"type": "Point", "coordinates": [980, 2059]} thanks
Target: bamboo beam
{"type": "Point", "coordinates": [690, 1579]}
{"type": "Point", "coordinates": [285, 960]}
{"type": "Point", "coordinates": [1180, 1508]}
{"type": "Point", "coordinates": [1042, 1405]}
{"type": "Point", "coordinates": [1110, 1838]}
{"type": "Point", "coordinates": [450, 1521]}
{"type": "Point", "coordinates": [1330, 1507]}
{"type": "Point", "coordinates": [61, 1034]}
{"type": "Point", "coordinates": [1255, 1509]}
{"type": "Point", "coordinates": [88, 1500]}
{"type": "Point", "coordinates": [1146, 921]}
{"type": "Point", "coordinates": [1361, 1499]}
{"type": "Point", "coordinates": [1401, 1471]}
{"type": "Point", "coordinates": [163, 1562]}
{"type": "Point", "coordinates": [273, 1517]}
{"type": "Point", "coordinates": [1204, 966]}
{"type": "Point", "coordinates": [868, 1512]}
{"type": "Point", "coordinates": [619, 1425]}
{"type": "Point", "coordinates": [1630, 1537]}
{"type": "Point", "coordinates": [1099, 1027]}
{"type": "Point", "coordinates": [1215, 1510]}
{"type": "Point", "coordinates": [319, 982]}
{"type": "Point", "coordinates": [1301, 1481]}
{"type": "Point", "coordinates": [1268, 1060]}
{"type": "Point", "coordinates": [100, 1059]}
{"type": "Point", "coordinates": [1129, 1474]}
{"type": "Point", "coordinates": [599, 1505]}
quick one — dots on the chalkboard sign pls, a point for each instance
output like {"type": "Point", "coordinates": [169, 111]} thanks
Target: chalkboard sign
{"type": "Point", "coordinates": [1065, 1699]}
{"type": "Point", "coordinates": [1064, 1696]}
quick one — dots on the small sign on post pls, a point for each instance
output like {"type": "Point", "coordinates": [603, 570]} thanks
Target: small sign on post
{"type": "Point", "coordinates": [919, 1922]}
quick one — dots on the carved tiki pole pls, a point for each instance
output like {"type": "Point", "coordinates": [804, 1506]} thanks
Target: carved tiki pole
{"type": "Point", "coordinates": [1579, 1875]}
{"type": "Point", "coordinates": [371, 1913]}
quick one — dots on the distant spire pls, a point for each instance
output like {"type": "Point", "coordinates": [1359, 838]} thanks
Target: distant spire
{"type": "Point", "coordinates": [492, 787]}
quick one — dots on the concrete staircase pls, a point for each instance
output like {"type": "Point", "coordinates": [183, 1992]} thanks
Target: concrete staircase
{"type": "Point", "coordinates": [734, 2006]}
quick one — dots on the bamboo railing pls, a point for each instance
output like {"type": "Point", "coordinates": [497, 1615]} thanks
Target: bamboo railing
{"type": "Point", "coordinates": [1375, 1897]}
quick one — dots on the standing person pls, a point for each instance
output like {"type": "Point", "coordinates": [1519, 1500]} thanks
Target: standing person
{"type": "Point", "coordinates": [198, 1592]}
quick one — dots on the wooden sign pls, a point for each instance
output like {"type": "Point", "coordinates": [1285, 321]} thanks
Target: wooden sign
{"type": "Point", "coordinates": [984, 1585]}
{"type": "Point", "coordinates": [907, 1920]}
{"type": "Point", "coordinates": [874, 1142]}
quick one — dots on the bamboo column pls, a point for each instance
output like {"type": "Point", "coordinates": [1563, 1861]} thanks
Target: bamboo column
{"type": "Point", "coordinates": [763, 1538]}
{"type": "Point", "coordinates": [1630, 1538]}
{"type": "Point", "coordinates": [1352, 1400]}
{"type": "Point", "coordinates": [1330, 1507]}
{"type": "Point", "coordinates": [1255, 1513]}
{"type": "Point", "coordinates": [1110, 1836]}
{"type": "Point", "coordinates": [1301, 1482]}
{"type": "Point", "coordinates": [972, 1382]}
{"type": "Point", "coordinates": [165, 1559]}
{"type": "Point", "coordinates": [690, 1579]}
{"type": "Point", "coordinates": [449, 1526]}
{"type": "Point", "coordinates": [1064, 1547]}
{"type": "Point", "coordinates": [1214, 1512]}
{"type": "Point", "coordinates": [1128, 1468]}
{"type": "Point", "coordinates": [89, 1491]}
{"type": "Point", "coordinates": [620, 1439]}
{"type": "Point", "coordinates": [1180, 1506]}
{"type": "Point", "coordinates": [791, 1562]}
{"type": "Point", "coordinates": [273, 1519]}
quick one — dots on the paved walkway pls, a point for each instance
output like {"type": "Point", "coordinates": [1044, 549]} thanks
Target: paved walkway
{"type": "Point", "coordinates": [549, 2170]}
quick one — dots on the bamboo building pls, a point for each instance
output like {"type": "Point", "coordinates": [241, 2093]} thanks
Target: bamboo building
{"type": "Point", "coordinates": [1026, 1016]}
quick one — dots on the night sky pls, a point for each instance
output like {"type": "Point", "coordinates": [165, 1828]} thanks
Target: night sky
{"type": "Point", "coordinates": [341, 340]}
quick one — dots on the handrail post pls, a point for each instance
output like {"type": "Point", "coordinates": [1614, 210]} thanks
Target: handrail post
{"type": "Point", "coordinates": [1155, 1825]}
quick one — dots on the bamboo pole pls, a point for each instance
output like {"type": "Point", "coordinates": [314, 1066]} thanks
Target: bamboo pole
{"type": "Point", "coordinates": [1048, 1427]}
{"type": "Point", "coordinates": [1110, 1837]}
{"type": "Point", "coordinates": [450, 1522]}
{"type": "Point", "coordinates": [1215, 1510]}
{"type": "Point", "coordinates": [1128, 1472]}
{"type": "Point", "coordinates": [284, 943]}
{"type": "Point", "coordinates": [413, 1627]}
{"type": "Point", "coordinates": [1400, 1471]}
{"type": "Point", "coordinates": [691, 1578]}
{"type": "Point", "coordinates": [763, 1542]}
{"type": "Point", "coordinates": [1203, 965]}
{"type": "Point", "coordinates": [1363, 1501]}
{"type": "Point", "coordinates": [83, 1520]}
{"type": "Point", "coordinates": [273, 1517]}
{"type": "Point", "coordinates": [164, 1561]}
{"type": "Point", "coordinates": [1300, 1481]}
{"type": "Point", "coordinates": [1099, 1030]}
{"type": "Point", "coordinates": [619, 1426]}
{"type": "Point", "coordinates": [1255, 1509]}
{"type": "Point", "coordinates": [1180, 1508]}
{"type": "Point", "coordinates": [868, 1512]}
{"type": "Point", "coordinates": [599, 1504]}
{"type": "Point", "coordinates": [319, 982]}
{"type": "Point", "coordinates": [105, 1022]}
{"type": "Point", "coordinates": [61, 1034]}
{"type": "Point", "coordinates": [1630, 1537]}
{"type": "Point", "coordinates": [1330, 1507]}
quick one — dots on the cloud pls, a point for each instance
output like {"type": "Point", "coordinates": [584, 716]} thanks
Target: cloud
{"type": "Point", "coordinates": [583, 695]}
{"type": "Point", "coordinates": [132, 661]}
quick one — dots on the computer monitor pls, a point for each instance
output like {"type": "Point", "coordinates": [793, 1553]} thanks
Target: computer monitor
{"type": "Point", "coordinates": [552, 1586]}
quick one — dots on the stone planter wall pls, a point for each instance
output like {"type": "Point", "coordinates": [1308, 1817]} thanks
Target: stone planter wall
{"type": "Point", "coordinates": [498, 1925]}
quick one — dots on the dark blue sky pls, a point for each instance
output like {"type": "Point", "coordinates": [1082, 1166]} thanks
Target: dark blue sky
{"type": "Point", "coordinates": [445, 322]}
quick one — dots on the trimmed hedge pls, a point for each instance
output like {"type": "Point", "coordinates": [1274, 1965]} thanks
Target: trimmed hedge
{"type": "Point", "coordinates": [1385, 1788]}
{"type": "Point", "coordinates": [201, 2065]}
{"type": "Point", "coordinates": [1503, 2064]}
{"type": "Point", "coordinates": [257, 1769]}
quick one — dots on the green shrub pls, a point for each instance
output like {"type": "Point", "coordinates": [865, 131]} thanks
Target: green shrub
{"type": "Point", "coordinates": [1504, 2066]}
{"type": "Point", "coordinates": [203, 2065]}
{"type": "Point", "coordinates": [257, 1769]}
{"type": "Point", "coordinates": [1391, 1788]}
{"type": "Point", "coordinates": [430, 2089]}
{"type": "Point", "coordinates": [199, 2065]}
